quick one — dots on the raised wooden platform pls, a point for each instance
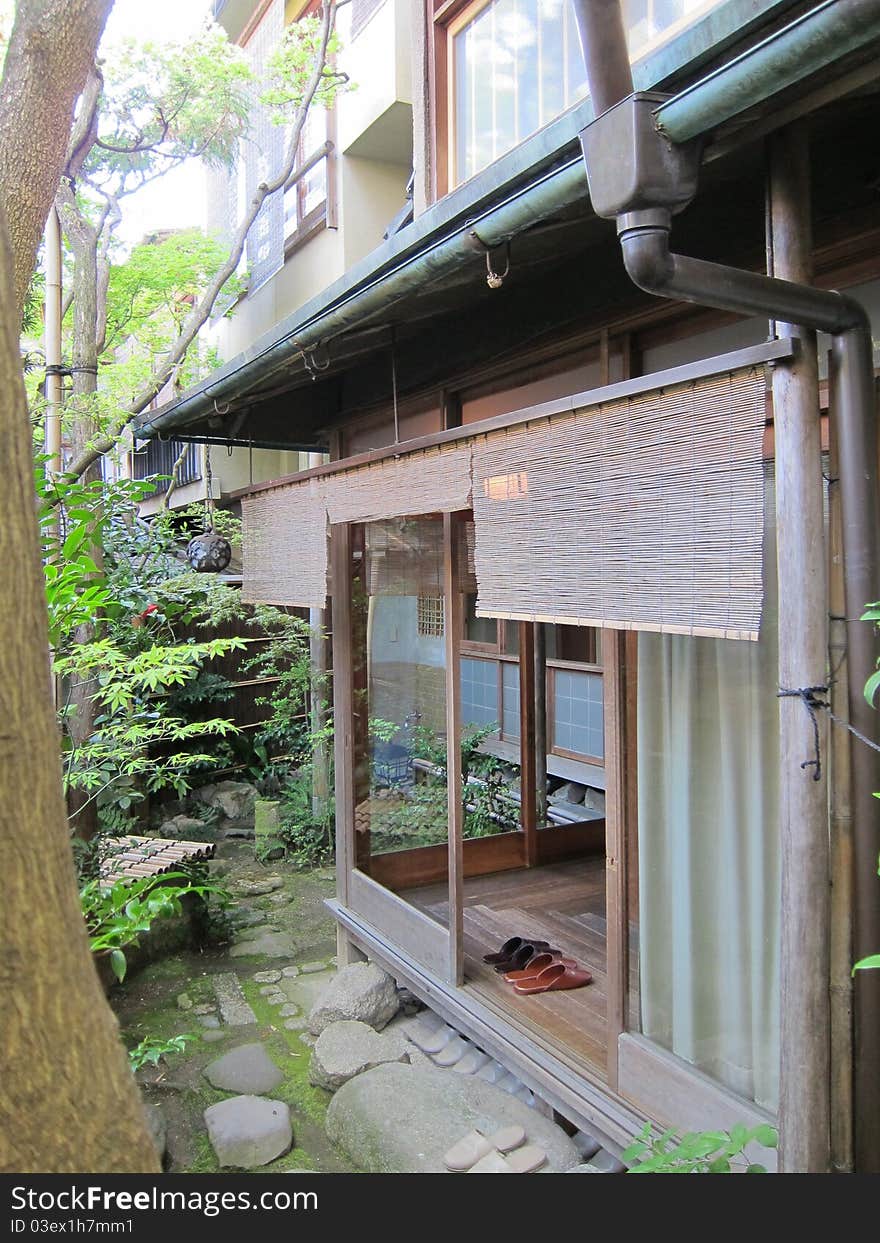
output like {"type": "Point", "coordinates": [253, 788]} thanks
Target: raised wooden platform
{"type": "Point", "coordinates": [563, 903]}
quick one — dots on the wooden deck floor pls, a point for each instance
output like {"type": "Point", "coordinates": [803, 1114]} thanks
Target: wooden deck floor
{"type": "Point", "coordinates": [563, 903]}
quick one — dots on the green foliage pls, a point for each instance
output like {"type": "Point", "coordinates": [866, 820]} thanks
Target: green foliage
{"type": "Point", "coordinates": [151, 293]}
{"type": "Point", "coordinates": [307, 838]}
{"type": "Point", "coordinates": [163, 103]}
{"type": "Point", "coordinates": [698, 1152]}
{"type": "Point", "coordinates": [290, 68]}
{"type": "Point", "coordinates": [118, 915]}
{"type": "Point", "coordinates": [153, 1049]}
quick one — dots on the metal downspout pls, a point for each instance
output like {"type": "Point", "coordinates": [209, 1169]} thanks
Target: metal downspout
{"type": "Point", "coordinates": [644, 239]}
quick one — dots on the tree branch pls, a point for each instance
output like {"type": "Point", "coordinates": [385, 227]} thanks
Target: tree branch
{"type": "Point", "coordinates": [202, 310]}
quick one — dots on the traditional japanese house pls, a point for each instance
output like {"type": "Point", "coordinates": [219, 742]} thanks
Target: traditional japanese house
{"type": "Point", "coordinates": [595, 554]}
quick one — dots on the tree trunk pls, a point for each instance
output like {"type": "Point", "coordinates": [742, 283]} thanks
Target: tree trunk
{"type": "Point", "coordinates": [69, 1101]}
{"type": "Point", "coordinates": [51, 49]}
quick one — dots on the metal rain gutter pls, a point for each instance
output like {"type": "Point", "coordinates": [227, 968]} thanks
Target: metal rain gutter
{"type": "Point", "coordinates": [561, 187]}
{"type": "Point", "coordinates": [639, 178]}
{"type": "Point", "coordinates": [809, 44]}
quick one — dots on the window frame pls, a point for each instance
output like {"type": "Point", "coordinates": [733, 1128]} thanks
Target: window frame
{"type": "Point", "coordinates": [323, 216]}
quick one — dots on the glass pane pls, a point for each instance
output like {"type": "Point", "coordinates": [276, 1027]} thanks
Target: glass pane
{"type": "Point", "coordinates": [401, 796]}
{"type": "Point", "coordinates": [518, 64]}
{"type": "Point", "coordinates": [478, 629]}
{"type": "Point", "coordinates": [479, 692]}
{"type": "Point", "coordinates": [578, 713]}
{"type": "Point", "coordinates": [510, 700]}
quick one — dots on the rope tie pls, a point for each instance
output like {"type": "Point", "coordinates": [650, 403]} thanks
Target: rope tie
{"type": "Point", "coordinates": [809, 697]}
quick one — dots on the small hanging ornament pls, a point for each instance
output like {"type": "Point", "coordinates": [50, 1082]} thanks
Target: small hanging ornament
{"type": "Point", "coordinates": [209, 553]}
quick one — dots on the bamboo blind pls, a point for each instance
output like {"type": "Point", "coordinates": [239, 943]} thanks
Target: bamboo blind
{"type": "Point", "coordinates": [284, 546]}
{"type": "Point", "coordinates": [644, 513]}
{"type": "Point", "coordinates": [405, 557]}
{"type": "Point", "coordinates": [432, 480]}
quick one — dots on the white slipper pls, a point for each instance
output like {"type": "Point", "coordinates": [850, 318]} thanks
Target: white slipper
{"type": "Point", "coordinates": [475, 1146]}
{"type": "Point", "coordinates": [527, 1160]}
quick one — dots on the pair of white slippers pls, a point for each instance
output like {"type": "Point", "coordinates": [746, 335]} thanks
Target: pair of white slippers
{"type": "Point", "coordinates": [504, 1152]}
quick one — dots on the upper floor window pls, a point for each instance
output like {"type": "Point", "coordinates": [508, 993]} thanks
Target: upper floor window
{"type": "Point", "coordinates": [513, 65]}
{"type": "Point", "coordinates": [307, 201]}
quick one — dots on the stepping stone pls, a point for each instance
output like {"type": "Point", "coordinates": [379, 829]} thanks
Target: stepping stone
{"type": "Point", "coordinates": [248, 1069]}
{"type": "Point", "coordinates": [265, 945]}
{"type": "Point", "coordinates": [256, 888]}
{"type": "Point", "coordinates": [206, 1009]}
{"type": "Point", "coordinates": [451, 1052]}
{"type": "Point", "coordinates": [212, 1036]}
{"type": "Point", "coordinates": [267, 990]}
{"type": "Point", "coordinates": [346, 1049]}
{"type": "Point", "coordinates": [297, 1024]}
{"type": "Point", "coordinates": [402, 1119]}
{"type": "Point", "coordinates": [360, 991]}
{"type": "Point", "coordinates": [209, 1020]}
{"type": "Point", "coordinates": [310, 968]}
{"type": "Point", "coordinates": [491, 1073]}
{"type": "Point", "coordinates": [234, 1010]}
{"type": "Point", "coordinates": [276, 998]}
{"type": "Point", "coordinates": [471, 1062]}
{"type": "Point", "coordinates": [266, 977]}
{"type": "Point", "coordinates": [289, 1011]}
{"type": "Point", "coordinates": [508, 1083]}
{"type": "Point", "coordinates": [249, 1131]}
{"type": "Point", "coordinates": [290, 973]}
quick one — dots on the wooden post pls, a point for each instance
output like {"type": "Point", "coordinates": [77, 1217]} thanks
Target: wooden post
{"type": "Point", "coordinates": [343, 720]}
{"type": "Point", "coordinates": [528, 804]}
{"type": "Point", "coordinates": [452, 629]}
{"type": "Point", "coordinates": [804, 1099]}
{"type": "Point", "coordinates": [540, 648]}
{"type": "Point", "coordinates": [840, 798]}
{"type": "Point", "coordinates": [614, 685]}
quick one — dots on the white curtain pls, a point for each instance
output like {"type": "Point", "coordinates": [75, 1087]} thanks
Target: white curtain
{"type": "Point", "coordinates": [709, 898]}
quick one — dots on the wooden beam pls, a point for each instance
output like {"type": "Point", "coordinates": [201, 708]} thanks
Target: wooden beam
{"type": "Point", "coordinates": [452, 629]}
{"type": "Point", "coordinates": [615, 697]}
{"type": "Point", "coordinates": [540, 646]}
{"type": "Point", "coordinates": [804, 1098]}
{"type": "Point", "coordinates": [527, 787]}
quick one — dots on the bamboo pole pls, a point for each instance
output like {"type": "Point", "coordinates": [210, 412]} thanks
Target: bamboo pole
{"type": "Point", "coordinates": [52, 345]}
{"type": "Point", "coordinates": [804, 1105]}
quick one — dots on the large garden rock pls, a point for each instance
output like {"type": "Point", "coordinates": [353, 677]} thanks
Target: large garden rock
{"type": "Point", "coordinates": [187, 828]}
{"type": "Point", "coordinates": [247, 1068]}
{"type": "Point", "coordinates": [249, 1131]}
{"type": "Point", "coordinates": [399, 1119]}
{"type": "Point", "coordinates": [234, 799]}
{"type": "Point", "coordinates": [359, 991]}
{"type": "Point", "coordinates": [348, 1048]}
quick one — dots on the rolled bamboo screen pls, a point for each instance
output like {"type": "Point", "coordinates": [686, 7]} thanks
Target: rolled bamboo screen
{"type": "Point", "coordinates": [429, 481]}
{"type": "Point", "coordinates": [405, 557]}
{"type": "Point", "coordinates": [284, 546]}
{"type": "Point", "coordinates": [644, 513]}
